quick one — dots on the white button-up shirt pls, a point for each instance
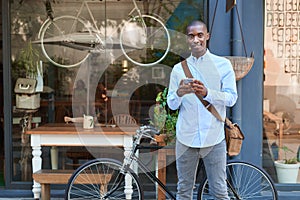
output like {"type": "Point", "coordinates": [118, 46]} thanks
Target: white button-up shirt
{"type": "Point", "coordinates": [196, 126]}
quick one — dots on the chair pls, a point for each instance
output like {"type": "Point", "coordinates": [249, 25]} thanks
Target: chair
{"type": "Point", "coordinates": [122, 119]}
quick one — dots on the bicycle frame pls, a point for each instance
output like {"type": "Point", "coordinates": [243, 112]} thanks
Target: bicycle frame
{"type": "Point", "coordinates": [152, 177]}
{"type": "Point", "coordinates": [126, 165]}
{"type": "Point", "coordinates": [85, 4]}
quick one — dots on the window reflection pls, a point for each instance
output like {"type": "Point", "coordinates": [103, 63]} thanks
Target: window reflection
{"type": "Point", "coordinates": [92, 86]}
{"type": "Point", "coordinates": [281, 137]}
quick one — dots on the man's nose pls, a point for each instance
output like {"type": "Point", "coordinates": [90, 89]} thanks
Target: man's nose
{"type": "Point", "coordinates": [197, 39]}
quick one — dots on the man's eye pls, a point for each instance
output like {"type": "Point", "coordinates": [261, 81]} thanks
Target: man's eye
{"type": "Point", "coordinates": [190, 36]}
{"type": "Point", "coordinates": [200, 36]}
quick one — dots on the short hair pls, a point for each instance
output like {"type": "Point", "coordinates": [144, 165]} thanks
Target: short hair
{"type": "Point", "coordinates": [196, 22]}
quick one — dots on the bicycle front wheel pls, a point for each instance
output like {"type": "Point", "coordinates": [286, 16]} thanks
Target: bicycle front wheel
{"type": "Point", "coordinates": [102, 179]}
{"type": "Point", "coordinates": [65, 41]}
{"type": "Point", "coordinates": [244, 181]}
{"type": "Point", "coordinates": [145, 40]}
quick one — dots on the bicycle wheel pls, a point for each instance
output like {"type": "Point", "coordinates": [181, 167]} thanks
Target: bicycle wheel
{"type": "Point", "coordinates": [102, 179]}
{"type": "Point", "coordinates": [66, 41]}
{"type": "Point", "coordinates": [245, 181]}
{"type": "Point", "coordinates": [146, 41]}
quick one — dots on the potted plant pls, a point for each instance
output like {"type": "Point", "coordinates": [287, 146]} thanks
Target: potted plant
{"type": "Point", "coordinates": [27, 61]}
{"type": "Point", "coordinates": [164, 119]}
{"type": "Point", "coordinates": [27, 74]}
{"type": "Point", "coordinates": [288, 168]}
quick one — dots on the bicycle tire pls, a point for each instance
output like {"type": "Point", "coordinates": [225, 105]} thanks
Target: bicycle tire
{"type": "Point", "coordinates": [99, 177]}
{"type": "Point", "coordinates": [249, 182]}
{"type": "Point", "coordinates": [157, 49]}
{"type": "Point", "coordinates": [56, 40]}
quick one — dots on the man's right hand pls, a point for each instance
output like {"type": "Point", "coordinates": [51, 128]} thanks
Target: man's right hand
{"type": "Point", "coordinates": [184, 89]}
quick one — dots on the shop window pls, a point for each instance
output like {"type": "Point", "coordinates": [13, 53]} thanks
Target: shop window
{"type": "Point", "coordinates": [281, 88]}
{"type": "Point", "coordinates": [105, 83]}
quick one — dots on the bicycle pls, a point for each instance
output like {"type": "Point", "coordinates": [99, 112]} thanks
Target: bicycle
{"type": "Point", "coordinates": [73, 38]}
{"type": "Point", "coordinates": [106, 178]}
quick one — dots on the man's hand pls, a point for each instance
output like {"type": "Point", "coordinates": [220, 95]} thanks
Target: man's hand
{"type": "Point", "coordinates": [184, 88]}
{"type": "Point", "coordinates": [199, 88]}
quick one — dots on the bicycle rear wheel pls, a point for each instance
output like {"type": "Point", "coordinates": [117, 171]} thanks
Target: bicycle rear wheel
{"type": "Point", "coordinates": [146, 41]}
{"type": "Point", "coordinates": [246, 180]}
{"type": "Point", "coordinates": [102, 179]}
{"type": "Point", "coordinates": [65, 41]}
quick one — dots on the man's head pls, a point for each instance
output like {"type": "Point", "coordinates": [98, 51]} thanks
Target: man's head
{"type": "Point", "coordinates": [197, 37]}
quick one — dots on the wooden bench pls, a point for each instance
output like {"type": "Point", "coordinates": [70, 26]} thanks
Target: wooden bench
{"type": "Point", "coordinates": [47, 176]}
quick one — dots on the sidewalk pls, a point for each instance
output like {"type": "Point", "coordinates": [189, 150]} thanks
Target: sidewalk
{"type": "Point", "coordinates": [28, 198]}
{"type": "Point", "coordinates": [27, 194]}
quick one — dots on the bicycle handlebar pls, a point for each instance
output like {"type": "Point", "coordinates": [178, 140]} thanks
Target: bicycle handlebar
{"type": "Point", "coordinates": [148, 130]}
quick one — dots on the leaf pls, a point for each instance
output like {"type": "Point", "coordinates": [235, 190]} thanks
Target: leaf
{"type": "Point", "coordinates": [288, 160]}
{"type": "Point", "coordinates": [291, 161]}
{"type": "Point", "coordinates": [158, 97]}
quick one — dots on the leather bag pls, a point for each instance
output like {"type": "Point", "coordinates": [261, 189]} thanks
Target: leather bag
{"type": "Point", "coordinates": [233, 134]}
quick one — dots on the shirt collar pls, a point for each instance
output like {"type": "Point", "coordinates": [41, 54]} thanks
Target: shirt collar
{"type": "Point", "coordinates": [195, 60]}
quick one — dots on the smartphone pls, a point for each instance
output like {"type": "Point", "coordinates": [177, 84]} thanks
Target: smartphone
{"type": "Point", "coordinates": [188, 80]}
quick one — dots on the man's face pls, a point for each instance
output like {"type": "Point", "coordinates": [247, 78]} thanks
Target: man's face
{"type": "Point", "coordinates": [197, 37]}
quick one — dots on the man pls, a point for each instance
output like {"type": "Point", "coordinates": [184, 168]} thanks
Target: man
{"type": "Point", "coordinates": [199, 134]}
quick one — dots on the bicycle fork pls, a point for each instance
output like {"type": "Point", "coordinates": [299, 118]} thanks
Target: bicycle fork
{"type": "Point", "coordinates": [121, 176]}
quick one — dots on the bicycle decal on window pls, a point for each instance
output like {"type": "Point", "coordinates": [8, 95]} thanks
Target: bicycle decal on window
{"type": "Point", "coordinates": [67, 40]}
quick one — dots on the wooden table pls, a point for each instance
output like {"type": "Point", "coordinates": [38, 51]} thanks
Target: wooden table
{"type": "Point", "coordinates": [71, 135]}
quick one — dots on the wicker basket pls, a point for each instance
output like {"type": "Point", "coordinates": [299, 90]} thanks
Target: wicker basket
{"type": "Point", "coordinates": [241, 65]}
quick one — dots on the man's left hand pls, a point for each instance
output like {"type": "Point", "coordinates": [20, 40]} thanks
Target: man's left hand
{"type": "Point", "coordinates": [199, 88]}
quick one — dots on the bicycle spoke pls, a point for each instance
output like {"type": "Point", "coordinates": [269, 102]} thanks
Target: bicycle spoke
{"type": "Point", "coordinates": [100, 179]}
{"type": "Point", "coordinates": [248, 182]}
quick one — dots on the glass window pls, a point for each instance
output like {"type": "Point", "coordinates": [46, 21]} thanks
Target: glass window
{"type": "Point", "coordinates": [281, 90]}
{"type": "Point", "coordinates": [89, 58]}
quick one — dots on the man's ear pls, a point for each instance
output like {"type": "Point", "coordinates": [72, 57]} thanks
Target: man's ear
{"type": "Point", "coordinates": [207, 36]}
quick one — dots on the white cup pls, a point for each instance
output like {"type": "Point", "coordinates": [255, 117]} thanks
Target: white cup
{"type": "Point", "coordinates": [88, 121]}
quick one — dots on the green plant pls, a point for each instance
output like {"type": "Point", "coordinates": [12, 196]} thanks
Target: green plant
{"type": "Point", "coordinates": [27, 61]}
{"type": "Point", "coordinates": [286, 159]}
{"type": "Point", "coordinates": [164, 118]}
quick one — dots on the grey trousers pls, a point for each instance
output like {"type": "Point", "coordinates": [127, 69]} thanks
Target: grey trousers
{"type": "Point", "coordinates": [214, 159]}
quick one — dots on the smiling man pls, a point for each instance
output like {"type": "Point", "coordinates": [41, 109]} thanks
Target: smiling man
{"type": "Point", "coordinates": [199, 134]}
